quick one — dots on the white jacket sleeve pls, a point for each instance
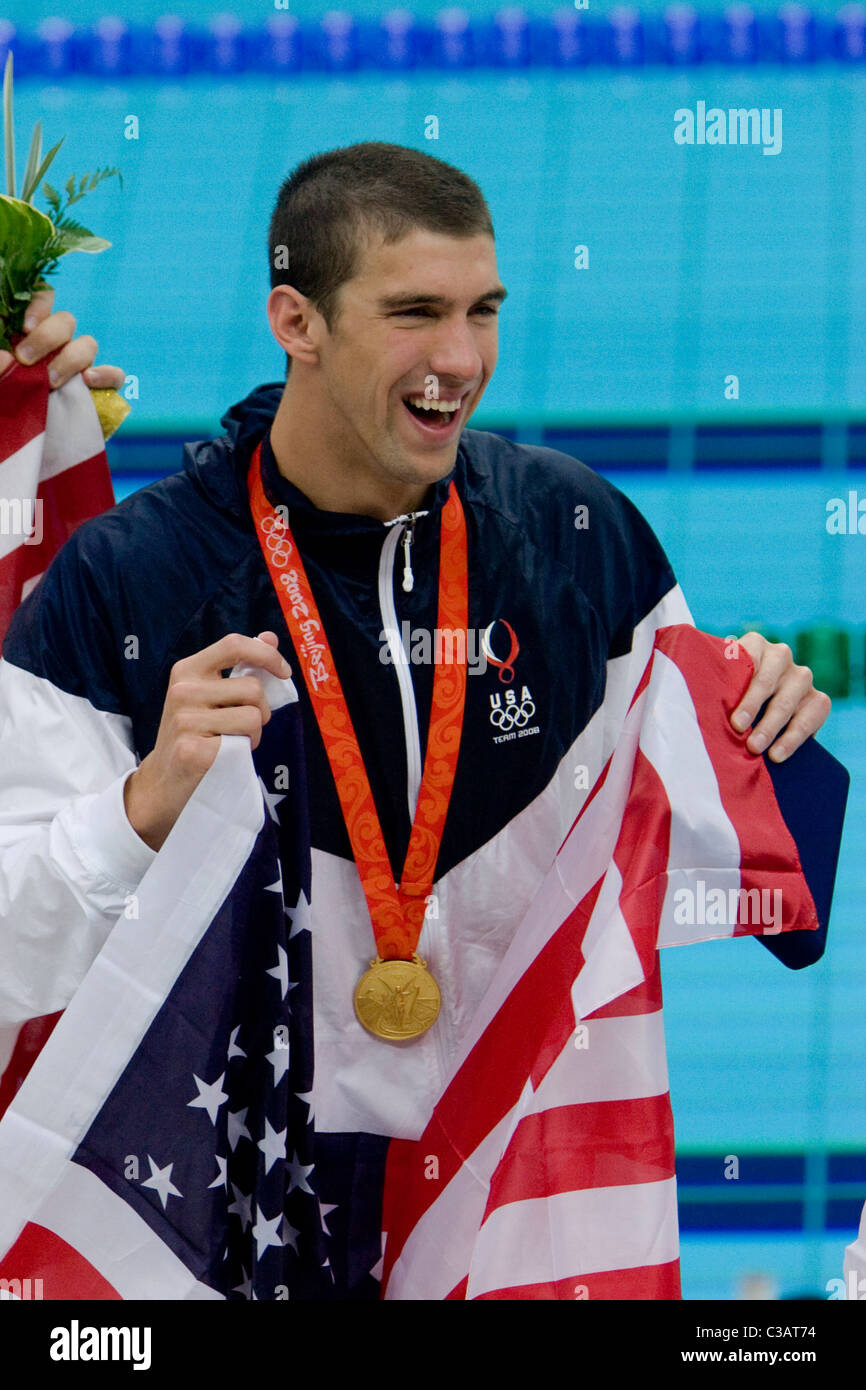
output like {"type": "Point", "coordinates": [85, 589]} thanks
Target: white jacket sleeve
{"type": "Point", "coordinates": [70, 862]}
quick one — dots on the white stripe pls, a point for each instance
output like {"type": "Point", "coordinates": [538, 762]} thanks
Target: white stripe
{"type": "Point", "coordinates": [575, 1233]}
{"type": "Point", "coordinates": [30, 584]}
{"type": "Point", "coordinates": [624, 1060]}
{"type": "Point", "coordinates": [72, 429]}
{"type": "Point", "coordinates": [19, 480]}
{"type": "Point", "coordinates": [702, 837]}
{"type": "Point", "coordinates": [127, 983]}
{"type": "Point", "coordinates": [118, 1242]}
{"type": "Point", "coordinates": [72, 435]}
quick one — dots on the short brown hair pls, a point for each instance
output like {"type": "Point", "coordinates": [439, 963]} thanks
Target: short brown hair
{"type": "Point", "coordinates": [332, 202]}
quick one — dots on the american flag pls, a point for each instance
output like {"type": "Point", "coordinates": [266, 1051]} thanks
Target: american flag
{"type": "Point", "coordinates": [54, 474]}
{"type": "Point", "coordinates": [177, 1086]}
{"type": "Point", "coordinates": [547, 1168]}
{"type": "Point", "coordinates": [164, 1143]}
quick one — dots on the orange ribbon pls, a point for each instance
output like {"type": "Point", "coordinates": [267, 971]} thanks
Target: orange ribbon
{"type": "Point", "coordinates": [397, 915]}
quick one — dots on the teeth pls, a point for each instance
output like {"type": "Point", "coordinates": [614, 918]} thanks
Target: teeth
{"type": "Point", "coordinates": [424, 404]}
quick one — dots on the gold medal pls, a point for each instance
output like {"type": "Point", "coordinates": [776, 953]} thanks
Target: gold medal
{"type": "Point", "coordinates": [397, 999]}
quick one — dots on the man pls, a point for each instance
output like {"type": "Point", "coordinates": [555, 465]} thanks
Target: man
{"type": "Point", "coordinates": [385, 294]}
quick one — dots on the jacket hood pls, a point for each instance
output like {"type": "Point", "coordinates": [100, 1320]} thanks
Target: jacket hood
{"type": "Point", "coordinates": [219, 466]}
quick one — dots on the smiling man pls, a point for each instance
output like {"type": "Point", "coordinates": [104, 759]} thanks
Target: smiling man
{"type": "Point", "coordinates": [387, 392]}
{"type": "Point", "coordinates": [384, 296]}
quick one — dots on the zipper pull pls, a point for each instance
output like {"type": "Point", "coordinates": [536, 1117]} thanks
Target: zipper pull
{"type": "Point", "coordinates": [408, 576]}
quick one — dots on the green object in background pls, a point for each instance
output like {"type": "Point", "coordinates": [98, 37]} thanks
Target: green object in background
{"type": "Point", "coordinates": [827, 650]}
{"type": "Point", "coordinates": [31, 242]}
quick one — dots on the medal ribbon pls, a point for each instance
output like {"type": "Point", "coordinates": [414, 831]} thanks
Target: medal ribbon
{"type": "Point", "coordinates": [397, 915]}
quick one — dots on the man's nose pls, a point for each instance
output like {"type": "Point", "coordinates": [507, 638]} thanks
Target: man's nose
{"type": "Point", "coordinates": [455, 356]}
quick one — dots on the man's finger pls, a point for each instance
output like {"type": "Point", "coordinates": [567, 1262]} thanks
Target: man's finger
{"type": "Point", "coordinates": [105, 377]}
{"type": "Point", "coordinates": [793, 689]}
{"type": "Point", "coordinates": [771, 660]}
{"type": "Point", "coordinates": [39, 308]}
{"type": "Point", "coordinates": [52, 332]}
{"type": "Point", "coordinates": [807, 721]}
{"type": "Point", "coordinates": [230, 651]}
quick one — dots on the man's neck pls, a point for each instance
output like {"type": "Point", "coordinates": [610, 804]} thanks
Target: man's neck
{"type": "Point", "coordinates": [331, 486]}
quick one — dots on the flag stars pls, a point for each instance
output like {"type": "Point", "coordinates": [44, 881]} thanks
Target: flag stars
{"type": "Point", "coordinates": [160, 1181]}
{"type": "Point", "coordinates": [277, 885]}
{"type": "Point", "coordinates": [237, 1127]}
{"type": "Point", "coordinates": [272, 801]}
{"type": "Point", "coordinates": [299, 916]}
{"type": "Point", "coordinates": [272, 1145]}
{"type": "Point", "coordinates": [279, 1060]}
{"type": "Point", "coordinates": [325, 1209]}
{"type": "Point", "coordinates": [242, 1206]}
{"type": "Point", "coordinates": [235, 1050]}
{"type": "Point", "coordinates": [280, 971]}
{"type": "Point", "coordinates": [298, 1174]}
{"type": "Point", "coordinates": [222, 1177]}
{"type": "Point", "coordinates": [209, 1098]}
{"type": "Point", "coordinates": [265, 1232]}
{"type": "Point", "coordinates": [307, 1098]}
{"type": "Point", "coordinates": [288, 1234]}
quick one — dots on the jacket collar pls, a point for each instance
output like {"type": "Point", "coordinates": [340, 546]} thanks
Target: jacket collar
{"type": "Point", "coordinates": [220, 466]}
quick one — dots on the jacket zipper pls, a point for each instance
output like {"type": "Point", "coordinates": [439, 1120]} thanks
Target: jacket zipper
{"type": "Point", "coordinates": [400, 660]}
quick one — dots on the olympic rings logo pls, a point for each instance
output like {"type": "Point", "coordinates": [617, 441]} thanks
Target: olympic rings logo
{"type": "Point", "coordinates": [512, 715]}
{"type": "Point", "coordinates": [275, 541]}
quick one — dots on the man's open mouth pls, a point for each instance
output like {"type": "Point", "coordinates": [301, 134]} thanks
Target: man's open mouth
{"type": "Point", "coordinates": [433, 415]}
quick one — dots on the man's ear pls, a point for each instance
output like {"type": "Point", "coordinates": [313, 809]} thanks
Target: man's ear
{"type": "Point", "coordinates": [289, 315]}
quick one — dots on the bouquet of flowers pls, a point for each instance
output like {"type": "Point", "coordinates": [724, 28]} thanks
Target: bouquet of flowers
{"type": "Point", "coordinates": [32, 242]}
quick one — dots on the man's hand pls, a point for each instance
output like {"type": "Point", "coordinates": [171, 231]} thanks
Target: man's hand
{"type": "Point", "coordinates": [45, 332]}
{"type": "Point", "coordinates": [200, 705]}
{"type": "Point", "coordinates": [794, 701]}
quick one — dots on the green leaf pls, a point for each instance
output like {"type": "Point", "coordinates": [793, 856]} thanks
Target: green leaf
{"type": "Point", "coordinates": [7, 127]}
{"type": "Point", "coordinates": [43, 169]}
{"type": "Point", "coordinates": [24, 230]}
{"type": "Point", "coordinates": [51, 196]}
{"type": "Point", "coordinates": [73, 239]}
{"type": "Point", "coordinates": [34, 159]}
{"type": "Point", "coordinates": [70, 187]}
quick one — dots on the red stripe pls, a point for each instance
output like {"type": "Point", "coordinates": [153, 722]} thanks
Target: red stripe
{"type": "Point", "coordinates": [68, 499]}
{"type": "Point", "coordinates": [645, 998]}
{"type": "Point", "coordinates": [717, 685]}
{"type": "Point", "coordinates": [41, 1254]}
{"type": "Point", "coordinates": [641, 854]}
{"type": "Point", "coordinates": [571, 1148]}
{"type": "Point", "coordinates": [655, 1282]}
{"type": "Point", "coordinates": [23, 402]}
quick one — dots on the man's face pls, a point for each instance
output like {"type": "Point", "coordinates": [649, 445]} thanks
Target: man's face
{"type": "Point", "coordinates": [419, 319]}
